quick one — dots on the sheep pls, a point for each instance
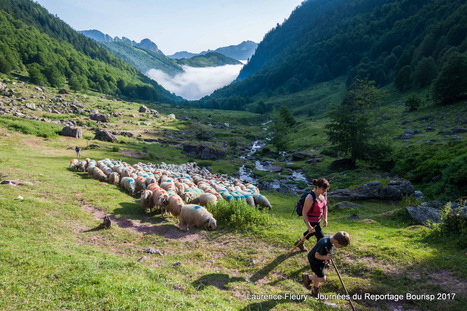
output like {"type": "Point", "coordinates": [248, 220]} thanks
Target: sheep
{"type": "Point", "coordinates": [140, 183]}
{"type": "Point", "coordinates": [160, 198]}
{"type": "Point", "coordinates": [205, 199]}
{"type": "Point", "coordinates": [261, 200]}
{"type": "Point", "coordinates": [175, 205]}
{"type": "Point", "coordinates": [114, 178]}
{"type": "Point", "coordinates": [82, 166]}
{"type": "Point", "coordinates": [147, 202]}
{"type": "Point", "coordinates": [99, 174]}
{"type": "Point", "coordinates": [73, 163]}
{"type": "Point", "coordinates": [192, 215]}
{"type": "Point", "coordinates": [128, 184]}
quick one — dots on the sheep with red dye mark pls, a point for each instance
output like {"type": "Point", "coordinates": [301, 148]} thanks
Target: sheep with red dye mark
{"type": "Point", "coordinates": [147, 202]}
{"type": "Point", "coordinates": [192, 215]}
{"type": "Point", "coordinates": [114, 178]}
{"type": "Point", "coordinates": [140, 183]}
{"type": "Point", "coordinates": [160, 198]}
{"type": "Point", "coordinates": [175, 205]}
{"type": "Point", "coordinates": [262, 201]}
{"type": "Point", "coordinates": [99, 174]}
{"type": "Point", "coordinates": [73, 163]}
{"type": "Point", "coordinates": [128, 184]}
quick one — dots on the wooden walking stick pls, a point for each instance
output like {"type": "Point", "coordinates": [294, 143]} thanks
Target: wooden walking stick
{"type": "Point", "coordinates": [342, 282]}
{"type": "Point", "coordinates": [301, 241]}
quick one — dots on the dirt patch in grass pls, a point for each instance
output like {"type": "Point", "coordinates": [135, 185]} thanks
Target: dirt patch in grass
{"type": "Point", "coordinates": [167, 230]}
{"type": "Point", "coordinates": [133, 153]}
{"type": "Point", "coordinates": [449, 282]}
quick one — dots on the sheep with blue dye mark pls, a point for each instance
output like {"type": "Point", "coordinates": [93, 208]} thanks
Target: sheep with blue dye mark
{"type": "Point", "coordinates": [262, 201]}
{"type": "Point", "coordinates": [128, 184]}
{"type": "Point", "coordinates": [192, 215]}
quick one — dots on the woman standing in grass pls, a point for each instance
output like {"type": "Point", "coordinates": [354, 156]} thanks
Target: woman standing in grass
{"type": "Point", "coordinates": [315, 209]}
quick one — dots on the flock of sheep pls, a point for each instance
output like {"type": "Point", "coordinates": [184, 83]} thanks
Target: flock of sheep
{"type": "Point", "coordinates": [183, 190]}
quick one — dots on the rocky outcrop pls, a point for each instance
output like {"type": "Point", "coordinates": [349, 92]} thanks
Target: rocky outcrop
{"type": "Point", "coordinates": [395, 189]}
{"type": "Point", "coordinates": [425, 213]}
{"type": "Point", "coordinates": [72, 132]}
{"type": "Point", "coordinates": [346, 164]}
{"type": "Point", "coordinates": [345, 205]}
{"type": "Point", "coordinates": [144, 109]}
{"type": "Point", "coordinates": [204, 151]}
{"type": "Point", "coordinates": [100, 117]}
{"type": "Point", "coordinates": [105, 136]}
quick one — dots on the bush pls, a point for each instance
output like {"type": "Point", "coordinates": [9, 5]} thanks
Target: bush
{"type": "Point", "coordinates": [413, 103]}
{"type": "Point", "coordinates": [239, 215]}
{"type": "Point", "coordinates": [116, 149]}
{"type": "Point", "coordinates": [454, 223]}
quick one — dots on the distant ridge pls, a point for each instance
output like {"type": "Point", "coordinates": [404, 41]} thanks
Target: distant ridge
{"type": "Point", "coordinates": [242, 51]}
{"type": "Point", "coordinates": [101, 37]}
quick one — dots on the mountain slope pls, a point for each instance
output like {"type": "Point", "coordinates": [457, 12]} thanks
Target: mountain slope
{"type": "Point", "coordinates": [242, 51]}
{"type": "Point", "coordinates": [211, 59]}
{"type": "Point", "coordinates": [52, 52]}
{"type": "Point", "coordinates": [101, 37]}
{"type": "Point", "coordinates": [323, 40]}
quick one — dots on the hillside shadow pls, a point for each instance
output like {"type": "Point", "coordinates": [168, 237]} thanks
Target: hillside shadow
{"type": "Point", "coordinates": [216, 280]}
{"type": "Point", "coordinates": [271, 266]}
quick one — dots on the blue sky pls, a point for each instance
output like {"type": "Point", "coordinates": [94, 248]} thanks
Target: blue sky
{"type": "Point", "coordinates": [176, 25]}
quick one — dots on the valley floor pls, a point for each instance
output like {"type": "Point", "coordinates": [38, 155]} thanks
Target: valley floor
{"type": "Point", "coordinates": [56, 256]}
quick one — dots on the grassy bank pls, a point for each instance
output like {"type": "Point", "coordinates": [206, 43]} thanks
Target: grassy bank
{"type": "Point", "coordinates": [56, 256]}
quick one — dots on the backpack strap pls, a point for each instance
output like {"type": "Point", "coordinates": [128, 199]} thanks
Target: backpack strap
{"type": "Point", "coordinates": [313, 195]}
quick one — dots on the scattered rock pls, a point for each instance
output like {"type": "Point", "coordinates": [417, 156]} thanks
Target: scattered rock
{"type": "Point", "coordinates": [346, 164]}
{"type": "Point", "coordinates": [144, 258]}
{"type": "Point", "coordinates": [107, 222]}
{"type": "Point", "coordinates": [153, 251]}
{"type": "Point", "coordinates": [19, 198]}
{"type": "Point", "coordinates": [31, 106]}
{"type": "Point", "coordinates": [204, 151]}
{"type": "Point", "coordinates": [105, 136]}
{"type": "Point", "coordinates": [297, 156]}
{"type": "Point", "coordinates": [63, 91]}
{"type": "Point", "coordinates": [425, 213]}
{"type": "Point", "coordinates": [353, 216]}
{"type": "Point", "coordinates": [72, 132]}
{"type": "Point", "coordinates": [100, 117]}
{"type": "Point", "coordinates": [396, 189]}
{"type": "Point", "coordinates": [315, 160]}
{"type": "Point", "coordinates": [177, 264]}
{"type": "Point", "coordinates": [171, 116]}
{"type": "Point", "coordinates": [144, 109]}
{"type": "Point", "coordinates": [345, 204]}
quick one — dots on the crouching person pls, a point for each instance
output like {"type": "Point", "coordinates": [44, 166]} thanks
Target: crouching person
{"type": "Point", "coordinates": [319, 255]}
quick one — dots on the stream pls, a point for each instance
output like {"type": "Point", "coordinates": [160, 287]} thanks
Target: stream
{"type": "Point", "coordinates": [281, 184]}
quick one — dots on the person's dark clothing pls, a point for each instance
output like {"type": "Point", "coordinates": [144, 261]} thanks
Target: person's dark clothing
{"type": "Point", "coordinates": [323, 247]}
{"type": "Point", "coordinates": [318, 231]}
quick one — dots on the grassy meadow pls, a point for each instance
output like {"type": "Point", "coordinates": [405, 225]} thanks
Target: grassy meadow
{"type": "Point", "coordinates": [55, 255]}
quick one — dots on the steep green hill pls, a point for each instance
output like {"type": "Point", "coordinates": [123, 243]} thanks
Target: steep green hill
{"type": "Point", "coordinates": [50, 51]}
{"type": "Point", "coordinates": [400, 41]}
{"type": "Point", "coordinates": [208, 60]}
{"type": "Point", "coordinates": [142, 59]}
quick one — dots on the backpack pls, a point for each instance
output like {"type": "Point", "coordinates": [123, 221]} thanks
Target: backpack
{"type": "Point", "coordinates": [299, 207]}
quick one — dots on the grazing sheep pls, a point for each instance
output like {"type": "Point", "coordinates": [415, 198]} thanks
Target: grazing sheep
{"type": "Point", "coordinates": [168, 185]}
{"type": "Point", "coordinates": [153, 186]}
{"type": "Point", "coordinates": [99, 174]}
{"type": "Point", "coordinates": [82, 166]}
{"type": "Point", "coordinates": [128, 184]}
{"type": "Point", "coordinates": [140, 183]}
{"type": "Point", "coordinates": [192, 215]}
{"type": "Point", "coordinates": [114, 178]}
{"type": "Point", "coordinates": [205, 199]}
{"type": "Point", "coordinates": [175, 205]}
{"type": "Point", "coordinates": [261, 200]}
{"type": "Point", "coordinates": [160, 198]}
{"type": "Point", "coordinates": [147, 202]}
{"type": "Point", "coordinates": [73, 163]}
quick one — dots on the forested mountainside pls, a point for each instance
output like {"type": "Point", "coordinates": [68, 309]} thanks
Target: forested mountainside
{"type": "Point", "coordinates": [402, 41]}
{"type": "Point", "coordinates": [33, 40]}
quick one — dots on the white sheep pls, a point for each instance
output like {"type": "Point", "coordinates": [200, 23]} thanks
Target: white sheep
{"type": "Point", "coordinates": [114, 179]}
{"type": "Point", "coordinates": [160, 198]}
{"type": "Point", "coordinates": [205, 199]}
{"type": "Point", "coordinates": [98, 174]}
{"type": "Point", "coordinates": [192, 215]}
{"type": "Point", "coordinates": [175, 205]}
{"type": "Point", "coordinates": [128, 184]}
{"type": "Point", "coordinates": [261, 200]}
{"type": "Point", "coordinates": [82, 165]}
{"type": "Point", "coordinates": [147, 202]}
{"type": "Point", "coordinates": [73, 163]}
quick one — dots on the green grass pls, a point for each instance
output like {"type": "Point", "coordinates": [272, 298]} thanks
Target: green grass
{"type": "Point", "coordinates": [55, 256]}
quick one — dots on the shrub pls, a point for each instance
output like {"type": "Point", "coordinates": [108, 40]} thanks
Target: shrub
{"type": "Point", "coordinates": [239, 215]}
{"type": "Point", "coordinates": [413, 103]}
{"type": "Point", "coordinates": [454, 224]}
{"type": "Point", "coordinates": [116, 149]}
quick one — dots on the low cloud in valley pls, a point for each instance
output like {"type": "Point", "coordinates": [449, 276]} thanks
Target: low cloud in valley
{"type": "Point", "coordinates": [196, 82]}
